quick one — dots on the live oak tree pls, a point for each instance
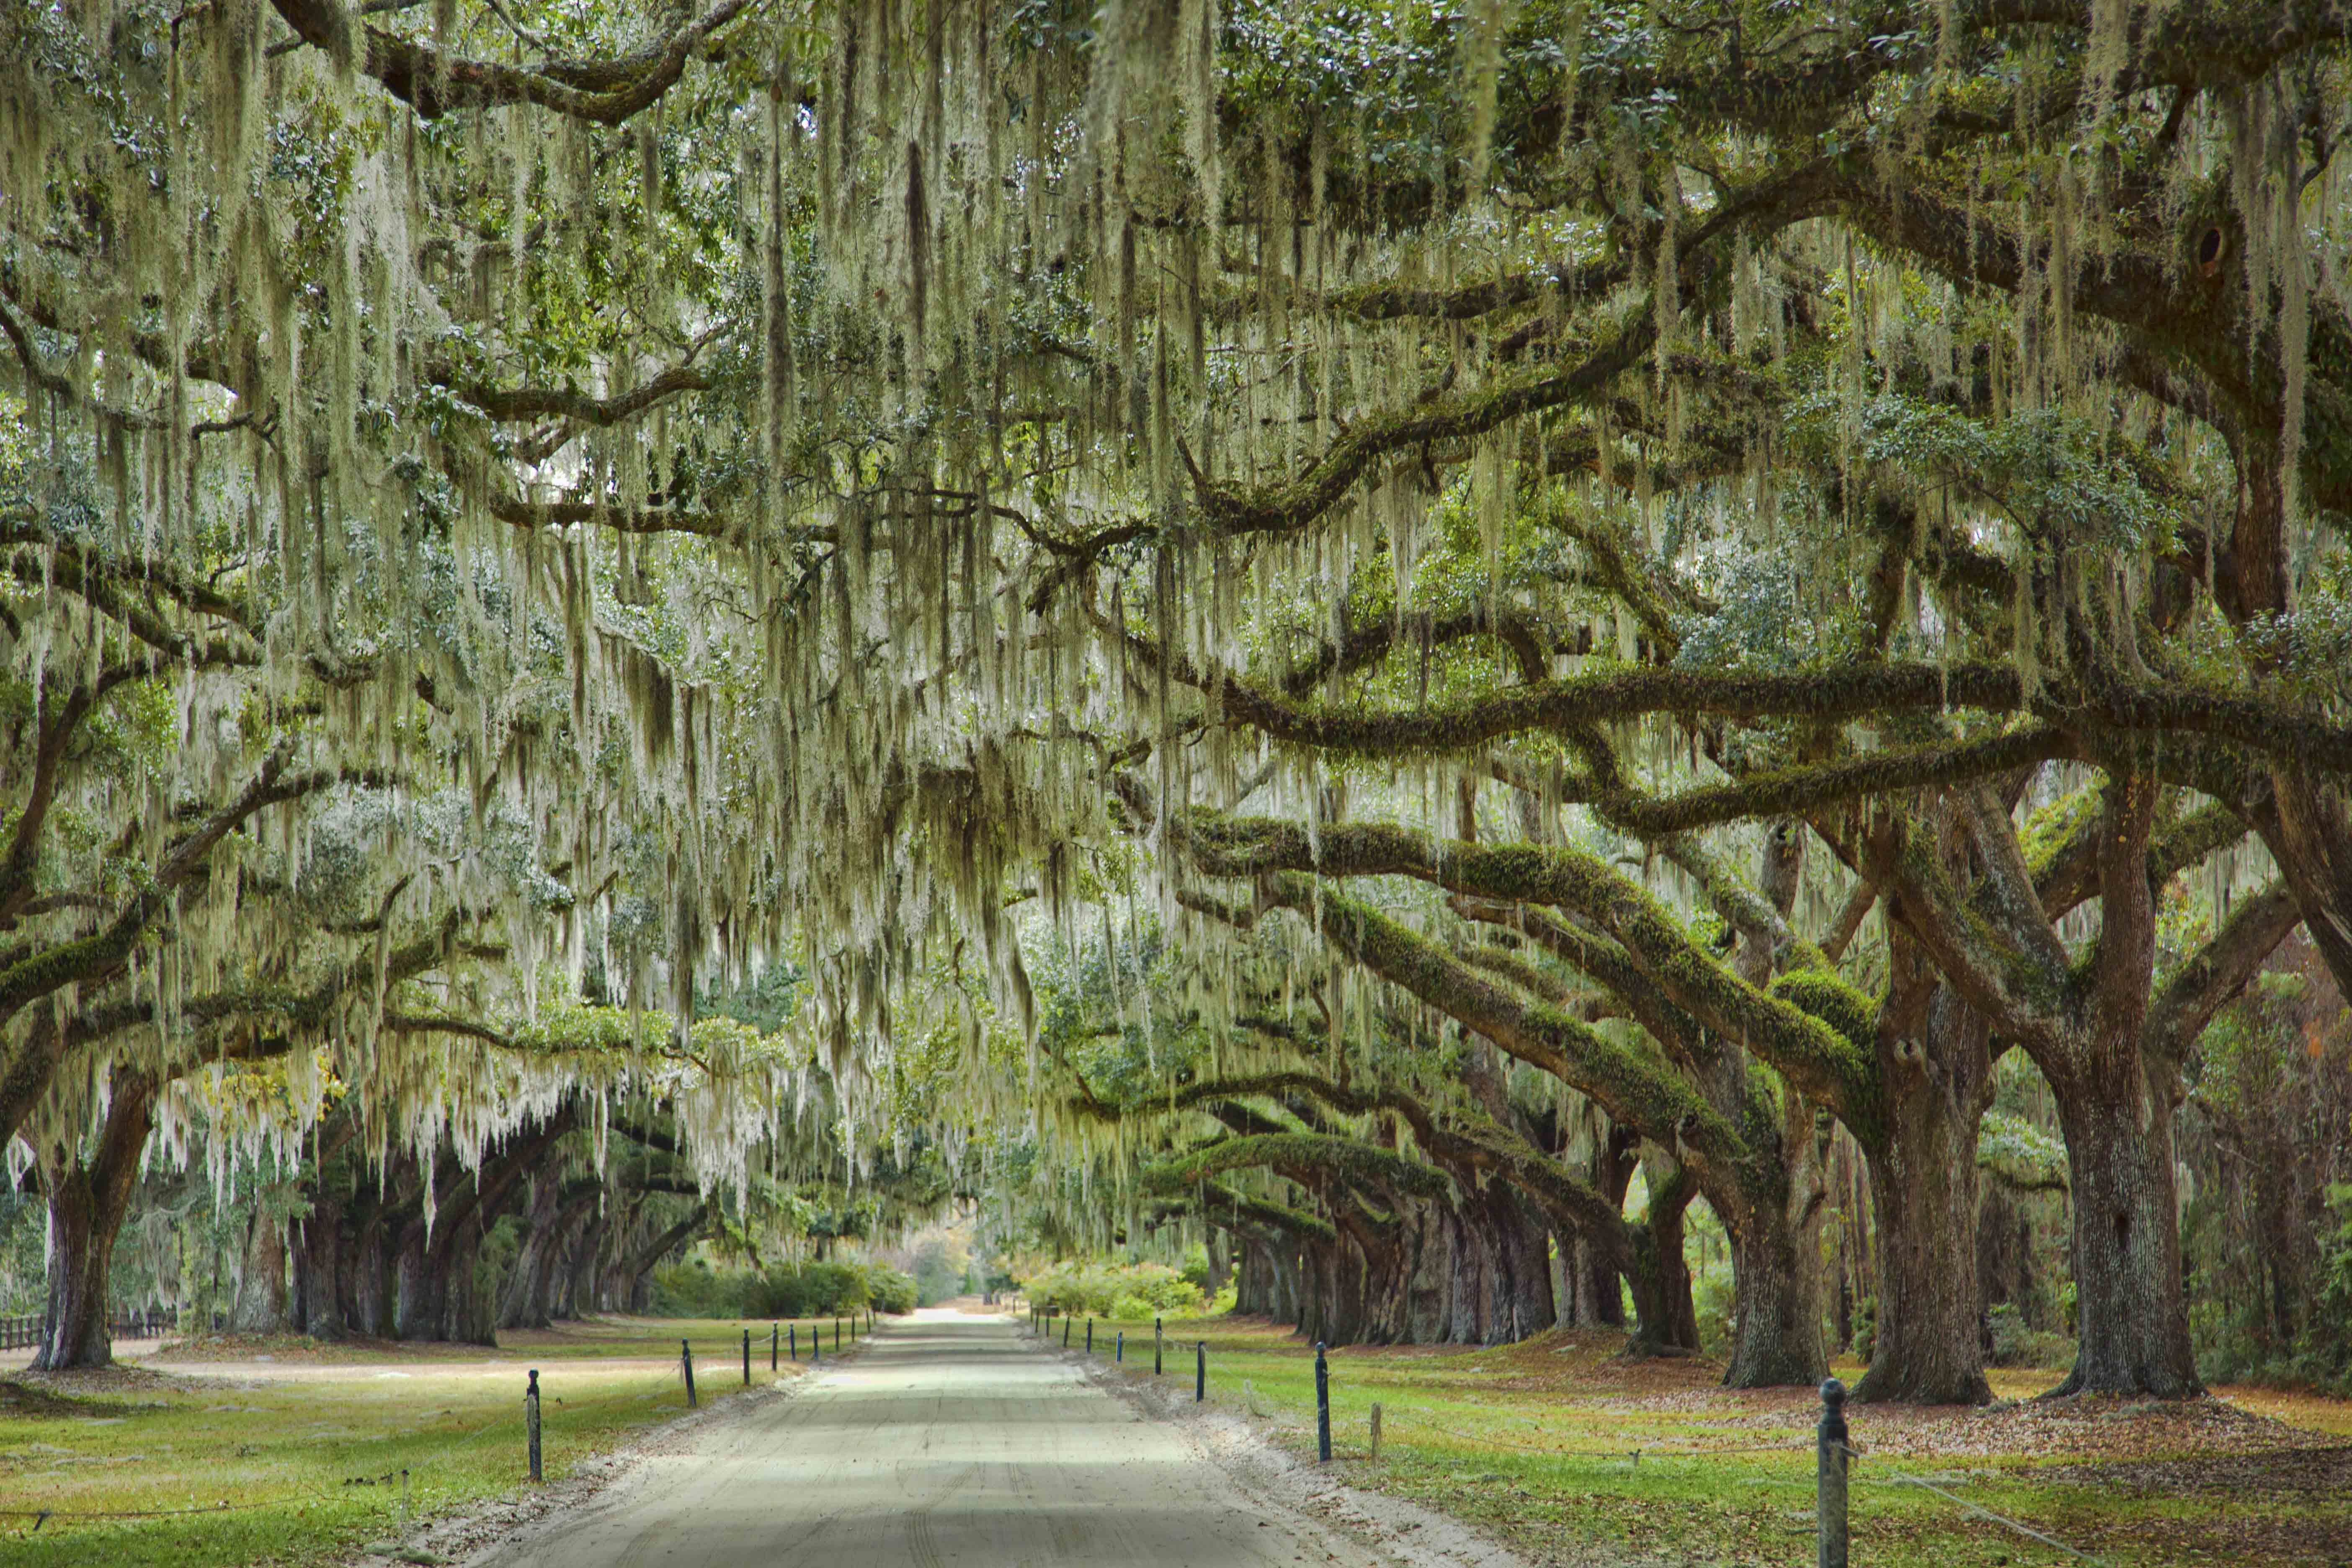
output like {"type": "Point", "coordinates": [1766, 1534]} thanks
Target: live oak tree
{"type": "Point", "coordinates": [892, 461]}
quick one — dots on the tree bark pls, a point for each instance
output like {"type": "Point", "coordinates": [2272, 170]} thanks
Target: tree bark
{"type": "Point", "coordinates": [1600, 1300]}
{"type": "Point", "coordinates": [321, 1242]}
{"type": "Point", "coordinates": [1254, 1279]}
{"type": "Point", "coordinates": [420, 1287]}
{"type": "Point", "coordinates": [259, 1306]}
{"type": "Point", "coordinates": [1923, 1194]}
{"type": "Point", "coordinates": [553, 1220]}
{"type": "Point", "coordinates": [1665, 1319]}
{"type": "Point", "coordinates": [2131, 1315]}
{"type": "Point", "coordinates": [88, 1199]}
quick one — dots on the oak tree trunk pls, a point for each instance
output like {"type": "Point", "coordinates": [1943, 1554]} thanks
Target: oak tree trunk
{"type": "Point", "coordinates": [89, 1195]}
{"type": "Point", "coordinates": [1665, 1319]}
{"type": "Point", "coordinates": [1923, 1194]}
{"type": "Point", "coordinates": [2131, 1315]}
{"type": "Point", "coordinates": [259, 1306]}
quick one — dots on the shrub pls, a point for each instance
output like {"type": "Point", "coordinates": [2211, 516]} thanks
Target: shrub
{"type": "Point", "coordinates": [1711, 1302]}
{"type": "Point", "coordinates": [2015, 1343]}
{"type": "Point", "coordinates": [1116, 1290]}
{"type": "Point", "coordinates": [889, 1290]}
{"type": "Point", "coordinates": [694, 1289]}
{"type": "Point", "coordinates": [1865, 1327]}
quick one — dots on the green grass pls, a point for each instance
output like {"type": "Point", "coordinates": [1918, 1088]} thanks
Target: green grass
{"type": "Point", "coordinates": [305, 1448]}
{"type": "Point", "coordinates": [1535, 1443]}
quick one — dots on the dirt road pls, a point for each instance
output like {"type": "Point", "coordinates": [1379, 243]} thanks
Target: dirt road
{"type": "Point", "coordinates": [947, 1441]}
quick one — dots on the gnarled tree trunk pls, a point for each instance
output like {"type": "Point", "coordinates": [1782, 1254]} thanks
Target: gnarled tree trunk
{"type": "Point", "coordinates": [259, 1306]}
{"type": "Point", "coordinates": [88, 1198]}
{"type": "Point", "coordinates": [1923, 1194]}
{"type": "Point", "coordinates": [1665, 1319]}
{"type": "Point", "coordinates": [2131, 1317]}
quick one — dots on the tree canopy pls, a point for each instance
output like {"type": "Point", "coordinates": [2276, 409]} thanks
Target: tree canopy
{"type": "Point", "coordinates": [1350, 626]}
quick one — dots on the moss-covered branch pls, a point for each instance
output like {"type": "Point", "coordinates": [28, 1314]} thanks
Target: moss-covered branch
{"type": "Point", "coordinates": [605, 92]}
{"type": "Point", "coordinates": [1304, 1157]}
{"type": "Point", "coordinates": [1815, 1058]}
{"type": "Point", "coordinates": [1638, 1089]}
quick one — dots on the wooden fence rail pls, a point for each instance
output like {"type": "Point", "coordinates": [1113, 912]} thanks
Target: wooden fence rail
{"type": "Point", "coordinates": [22, 1333]}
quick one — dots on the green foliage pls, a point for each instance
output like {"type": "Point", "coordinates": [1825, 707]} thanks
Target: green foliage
{"type": "Point", "coordinates": [1865, 1328]}
{"type": "Point", "coordinates": [694, 1289]}
{"type": "Point", "coordinates": [2019, 1154]}
{"type": "Point", "coordinates": [1116, 1290]}
{"type": "Point", "coordinates": [2057, 477]}
{"type": "Point", "coordinates": [2016, 1343]}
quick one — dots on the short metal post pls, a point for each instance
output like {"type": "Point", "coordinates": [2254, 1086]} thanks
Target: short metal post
{"type": "Point", "coordinates": [1322, 1405]}
{"type": "Point", "coordinates": [836, 1333]}
{"type": "Point", "coordinates": [747, 1358]}
{"type": "Point", "coordinates": [1119, 1356]}
{"type": "Point", "coordinates": [816, 1345]}
{"type": "Point", "coordinates": [771, 1347]}
{"type": "Point", "coordinates": [1159, 1343]}
{"type": "Point", "coordinates": [792, 1340]}
{"type": "Point", "coordinates": [1090, 1336]}
{"type": "Point", "coordinates": [1830, 1507]}
{"type": "Point", "coordinates": [686, 1355]}
{"type": "Point", "coordinates": [1375, 1428]}
{"type": "Point", "coordinates": [531, 1420]}
{"type": "Point", "coordinates": [1066, 1330]}
{"type": "Point", "coordinates": [1200, 1371]}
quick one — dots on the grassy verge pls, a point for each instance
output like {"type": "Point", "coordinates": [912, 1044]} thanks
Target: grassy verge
{"type": "Point", "coordinates": [1575, 1457]}
{"type": "Point", "coordinates": [288, 1453]}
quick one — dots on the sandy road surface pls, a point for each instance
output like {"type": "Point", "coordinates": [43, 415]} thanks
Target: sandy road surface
{"type": "Point", "coordinates": [945, 1441]}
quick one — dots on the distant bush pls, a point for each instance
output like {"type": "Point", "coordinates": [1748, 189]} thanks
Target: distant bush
{"type": "Point", "coordinates": [1711, 1302]}
{"type": "Point", "coordinates": [1196, 1268]}
{"type": "Point", "coordinates": [695, 1289]}
{"type": "Point", "coordinates": [1865, 1328]}
{"type": "Point", "coordinates": [1116, 1290]}
{"type": "Point", "coordinates": [2014, 1343]}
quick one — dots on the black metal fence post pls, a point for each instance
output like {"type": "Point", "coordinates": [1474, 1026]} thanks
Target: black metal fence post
{"type": "Point", "coordinates": [1830, 1461]}
{"type": "Point", "coordinates": [686, 1355]}
{"type": "Point", "coordinates": [1200, 1371]}
{"type": "Point", "coordinates": [771, 1347]}
{"type": "Point", "coordinates": [1090, 1336]}
{"type": "Point", "coordinates": [792, 1340]}
{"type": "Point", "coordinates": [836, 1332]}
{"type": "Point", "coordinates": [1119, 1356]}
{"type": "Point", "coordinates": [531, 1420]}
{"type": "Point", "coordinates": [1322, 1405]}
{"type": "Point", "coordinates": [747, 1358]}
{"type": "Point", "coordinates": [1066, 1330]}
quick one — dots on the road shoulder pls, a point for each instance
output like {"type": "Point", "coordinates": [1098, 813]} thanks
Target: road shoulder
{"type": "Point", "coordinates": [1273, 1480]}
